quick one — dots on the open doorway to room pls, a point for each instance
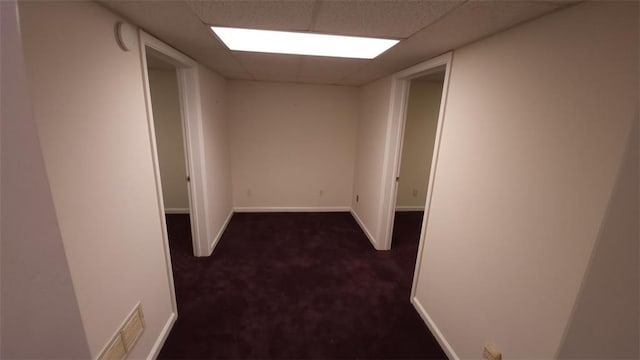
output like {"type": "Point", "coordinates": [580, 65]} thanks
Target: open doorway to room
{"type": "Point", "coordinates": [417, 147]}
{"type": "Point", "coordinates": [171, 150]}
{"type": "Point", "coordinates": [172, 94]}
{"type": "Point", "coordinates": [427, 85]}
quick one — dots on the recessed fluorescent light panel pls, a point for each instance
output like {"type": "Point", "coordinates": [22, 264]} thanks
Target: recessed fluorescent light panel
{"type": "Point", "coordinates": [296, 43]}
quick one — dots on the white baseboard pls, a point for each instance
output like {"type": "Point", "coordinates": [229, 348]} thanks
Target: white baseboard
{"type": "Point", "coordinates": [364, 229]}
{"type": "Point", "coordinates": [434, 329]}
{"type": "Point", "coordinates": [410, 208]}
{"type": "Point", "coordinates": [176, 210]}
{"type": "Point", "coordinates": [157, 346]}
{"type": "Point", "coordinates": [292, 209]}
{"type": "Point", "coordinates": [219, 235]}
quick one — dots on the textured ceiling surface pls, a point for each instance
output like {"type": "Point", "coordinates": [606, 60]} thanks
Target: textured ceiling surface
{"type": "Point", "coordinates": [426, 28]}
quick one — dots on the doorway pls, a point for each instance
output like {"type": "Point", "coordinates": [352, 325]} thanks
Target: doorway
{"type": "Point", "coordinates": [399, 99]}
{"type": "Point", "coordinates": [164, 57]}
{"type": "Point", "coordinates": [417, 146]}
{"type": "Point", "coordinates": [171, 151]}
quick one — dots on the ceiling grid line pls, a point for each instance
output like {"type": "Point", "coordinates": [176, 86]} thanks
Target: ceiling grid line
{"type": "Point", "coordinates": [428, 27]}
{"type": "Point", "coordinates": [314, 15]}
{"type": "Point", "coordinates": [238, 62]}
{"type": "Point", "coordinates": [438, 18]}
{"type": "Point", "coordinates": [424, 28]}
{"type": "Point", "coordinates": [312, 22]}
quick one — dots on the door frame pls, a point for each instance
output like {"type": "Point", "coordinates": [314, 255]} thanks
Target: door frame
{"type": "Point", "coordinates": [192, 126]}
{"type": "Point", "coordinates": [400, 84]}
{"type": "Point", "coordinates": [189, 96]}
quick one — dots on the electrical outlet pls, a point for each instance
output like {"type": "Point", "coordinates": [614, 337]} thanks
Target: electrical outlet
{"type": "Point", "coordinates": [414, 192]}
{"type": "Point", "coordinates": [357, 198]}
{"type": "Point", "coordinates": [491, 353]}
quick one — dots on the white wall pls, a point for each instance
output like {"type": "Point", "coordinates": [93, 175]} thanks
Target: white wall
{"type": "Point", "coordinates": [219, 203]}
{"type": "Point", "coordinates": [39, 317]}
{"type": "Point", "coordinates": [90, 113]}
{"type": "Point", "coordinates": [372, 133]}
{"type": "Point", "coordinates": [535, 131]}
{"type": "Point", "coordinates": [167, 119]}
{"type": "Point", "coordinates": [417, 144]}
{"type": "Point", "coordinates": [289, 142]}
{"type": "Point", "coordinates": [603, 325]}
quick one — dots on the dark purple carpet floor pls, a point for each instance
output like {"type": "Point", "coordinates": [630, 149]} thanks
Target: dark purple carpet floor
{"type": "Point", "coordinates": [297, 286]}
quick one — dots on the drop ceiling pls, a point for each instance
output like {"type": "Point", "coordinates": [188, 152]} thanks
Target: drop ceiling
{"type": "Point", "coordinates": [427, 28]}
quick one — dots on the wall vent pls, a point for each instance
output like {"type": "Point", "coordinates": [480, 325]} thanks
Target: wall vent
{"type": "Point", "coordinates": [126, 337]}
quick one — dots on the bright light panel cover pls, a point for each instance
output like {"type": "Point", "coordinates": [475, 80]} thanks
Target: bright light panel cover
{"type": "Point", "coordinates": [296, 43]}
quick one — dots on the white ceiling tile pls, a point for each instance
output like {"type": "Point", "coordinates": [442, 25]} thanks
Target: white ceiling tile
{"type": "Point", "coordinates": [261, 65]}
{"type": "Point", "coordinates": [473, 21]}
{"type": "Point", "coordinates": [257, 14]}
{"type": "Point", "coordinates": [313, 67]}
{"type": "Point", "coordinates": [184, 25]}
{"type": "Point", "coordinates": [470, 22]}
{"type": "Point", "coordinates": [379, 18]}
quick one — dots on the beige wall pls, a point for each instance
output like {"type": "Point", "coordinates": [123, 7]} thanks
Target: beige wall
{"type": "Point", "coordinates": [289, 142]}
{"type": "Point", "coordinates": [219, 203]}
{"type": "Point", "coordinates": [90, 113]}
{"type": "Point", "coordinates": [538, 121]}
{"type": "Point", "coordinates": [39, 317]}
{"type": "Point", "coordinates": [372, 128]}
{"type": "Point", "coordinates": [167, 119]}
{"type": "Point", "coordinates": [417, 144]}
{"type": "Point", "coordinates": [603, 325]}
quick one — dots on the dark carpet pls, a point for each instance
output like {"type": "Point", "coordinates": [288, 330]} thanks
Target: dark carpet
{"type": "Point", "coordinates": [297, 286]}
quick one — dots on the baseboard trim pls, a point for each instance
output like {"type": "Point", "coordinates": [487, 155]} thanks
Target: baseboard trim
{"type": "Point", "coordinates": [219, 235]}
{"type": "Point", "coordinates": [157, 346]}
{"type": "Point", "coordinates": [176, 210]}
{"type": "Point", "coordinates": [409, 208]}
{"type": "Point", "coordinates": [434, 329]}
{"type": "Point", "coordinates": [292, 209]}
{"type": "Point", "coordinates": [366, 231]}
